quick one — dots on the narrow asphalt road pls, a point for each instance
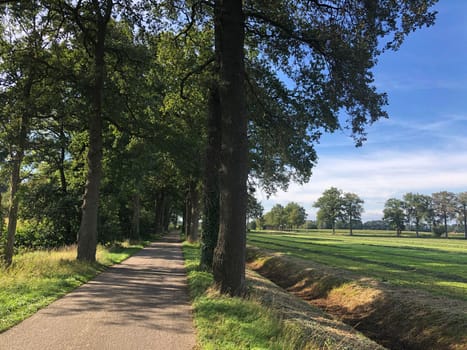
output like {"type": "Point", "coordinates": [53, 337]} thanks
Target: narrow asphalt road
{"type": "Point", "coordinates": [140, 304]}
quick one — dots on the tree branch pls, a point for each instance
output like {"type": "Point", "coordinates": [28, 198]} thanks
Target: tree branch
{"type": "Point", "coordinates": [197, 70]}
{"type": "Point", "coordinates": [290, 32]}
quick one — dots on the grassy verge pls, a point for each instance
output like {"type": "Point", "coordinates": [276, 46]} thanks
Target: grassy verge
{"type": "Point", "coordinates": [223, 322]}
{"type": "Point", "coordinates": [38, 278]}
{"type": "Point", "coordinates": [268, 319]}
{"type": "Point", "coordinates": [434, 265]}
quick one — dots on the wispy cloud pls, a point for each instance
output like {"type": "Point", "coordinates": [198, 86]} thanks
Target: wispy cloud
{"type": "Point", "coordinates": [391, 83]}
{"type": "Point", "coordinates": [377, 176]}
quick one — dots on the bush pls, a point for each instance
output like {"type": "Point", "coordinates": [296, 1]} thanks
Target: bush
{"type": "Point", "coordinates": [44, 234]}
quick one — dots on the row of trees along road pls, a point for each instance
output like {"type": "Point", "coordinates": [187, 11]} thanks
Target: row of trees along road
{"type": "Point", "coordinates": [334, 205]}
{"type": "Point", "coordinates": [150, 108]}
{"type": "Point", "coordinates": [427, 212]}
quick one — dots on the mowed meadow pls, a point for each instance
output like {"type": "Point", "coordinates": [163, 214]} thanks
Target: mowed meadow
{"type": "Point", "coordinates": [434, 265]}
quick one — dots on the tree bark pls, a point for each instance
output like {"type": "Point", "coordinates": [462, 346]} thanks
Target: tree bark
{"type": "Point", "coordinates": [15, 175]}
{"type": "Point", "coordinates": [229, 255]}
{"type": "Point", "coordinates": [166, 221]}
{"type": "Point", "coordinates": [160, 204]}
{"type": "Point", "coordinates": [135, 219]}
{"type": "Point", "coordinates": [61, 170]}
{"type": "Point", "coordinates": [210, 229]}
{"type": "Point", "coordinates": [15, 180]}
{"type": "Point", "coordinates": [184, 219]}
{"type": "Point", "coordinates": [87, 235]}
{"type": "Point", "coordinates": [446, 224]}
{"type": "Point", "coordinates": [465, 220]}
{"type": "Point", "coordinates": [188, 213]}
{"type": "Point", "coordinates": [193, 194]}
{"type": "Point", "coordinates": [1, 215]}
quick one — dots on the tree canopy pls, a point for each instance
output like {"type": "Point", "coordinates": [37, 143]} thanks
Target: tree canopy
{"type": "Point", "coordinates": [109, 108]}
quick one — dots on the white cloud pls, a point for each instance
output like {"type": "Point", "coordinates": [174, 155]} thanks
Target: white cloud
{"type": "Point", "coordinates": [377, 176]}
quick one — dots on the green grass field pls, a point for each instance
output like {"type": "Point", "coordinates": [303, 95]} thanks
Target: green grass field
{"type": "Point", "coordinates": [434, 265]}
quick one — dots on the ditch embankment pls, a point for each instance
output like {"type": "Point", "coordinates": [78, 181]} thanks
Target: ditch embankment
{"type": "Point", "coordinates": [394, 317]}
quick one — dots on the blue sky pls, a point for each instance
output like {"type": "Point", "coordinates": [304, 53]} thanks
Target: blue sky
{"type": "Point", "coordinates": [422, 147]}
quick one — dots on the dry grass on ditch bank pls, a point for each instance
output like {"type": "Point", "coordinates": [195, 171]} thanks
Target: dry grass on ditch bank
{"type": "Point", "coordinates": [395, 317]}
{"type": "Point", "coordinates": [308, 327]}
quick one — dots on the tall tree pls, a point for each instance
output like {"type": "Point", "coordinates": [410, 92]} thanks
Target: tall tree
{"type": "Point", "coordinates": [94, 33]}
{"type": "Point", "coordinates": [210, 228]}
{"type": "Point", "coordinates": [229, 256]}
{"type": "Point", "coordinates": [328, 54]}
{"type": "Point", "coordinates": [295, 214]}
{"type": "Point", "coordinates": [25, 34]}
{"type": "Point", "coordinates": [462, 208]}
{"type": "Point", "coordinates": [444, 206]}
{"type": "Point", "coordinates": [418, 208]}
{"type": "Point", "coordinates": [331, 206]}
{"type": "Point", "coordinates": [353, 209]}
{"type": "Point", "coordinates": [394, 214]}
{"type": "Point", "coordinates": [276, 217]}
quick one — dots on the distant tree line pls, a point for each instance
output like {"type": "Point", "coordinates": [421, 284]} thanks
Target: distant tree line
{"type": "Point", "coordinates": [427, 213]}
{"type": "Point", "coordinates": [340, 210]}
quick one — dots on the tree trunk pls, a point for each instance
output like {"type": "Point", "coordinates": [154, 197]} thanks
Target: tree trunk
{"type": "Point", "coordinates": [61, 170]}
{"type": "Point", "coordinates": [446, 224]}
{"type": "Point", "coordinates": [1, 216]}
{"type": "Point", "coordinates": [417, 224]}
{"type": "Point", "coordinates": [465, 221]}
{"type": "Point", "coordinates": [15, 175]}
{"type": "Point", "coordinates": [15, 180]}
{"type": "Point", "coordinates": [135, 219]}
{"type": "Point", "coordinates": [350, 225]}
{"type": "Point", "coordinates": [193, 194]}
{"type": "Point", "coordinates": [160, 200]}
{"type": "Point", "coordinates": [229, 255]}
{"type": "Point", "coordinates": [210, 230]}
{"type": "Point", "coordinates": [188, 213]}
{"type": "Point", "coordinates": [67, 224]}
{"type": "Point", "coordinates": [166, 220]}
{"type": "Point", "coordinates": [87, 235]}
{"type": "Point", "coordinates": [184, 219]}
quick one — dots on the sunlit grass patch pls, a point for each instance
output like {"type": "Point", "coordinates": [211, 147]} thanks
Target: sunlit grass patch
{"type": "Point", "coordinates": [224, 322]}
{"type": "Point", "coordinates": [37, 278]}
{"type": "Point", "coordinates": [434, 265]}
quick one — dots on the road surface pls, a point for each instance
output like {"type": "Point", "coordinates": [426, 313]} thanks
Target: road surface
{"type": "Point", "coordinates": [140, 304]}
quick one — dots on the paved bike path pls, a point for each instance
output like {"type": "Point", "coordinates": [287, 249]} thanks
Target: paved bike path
{"type": "Point", "coordinates": [139, 304]}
